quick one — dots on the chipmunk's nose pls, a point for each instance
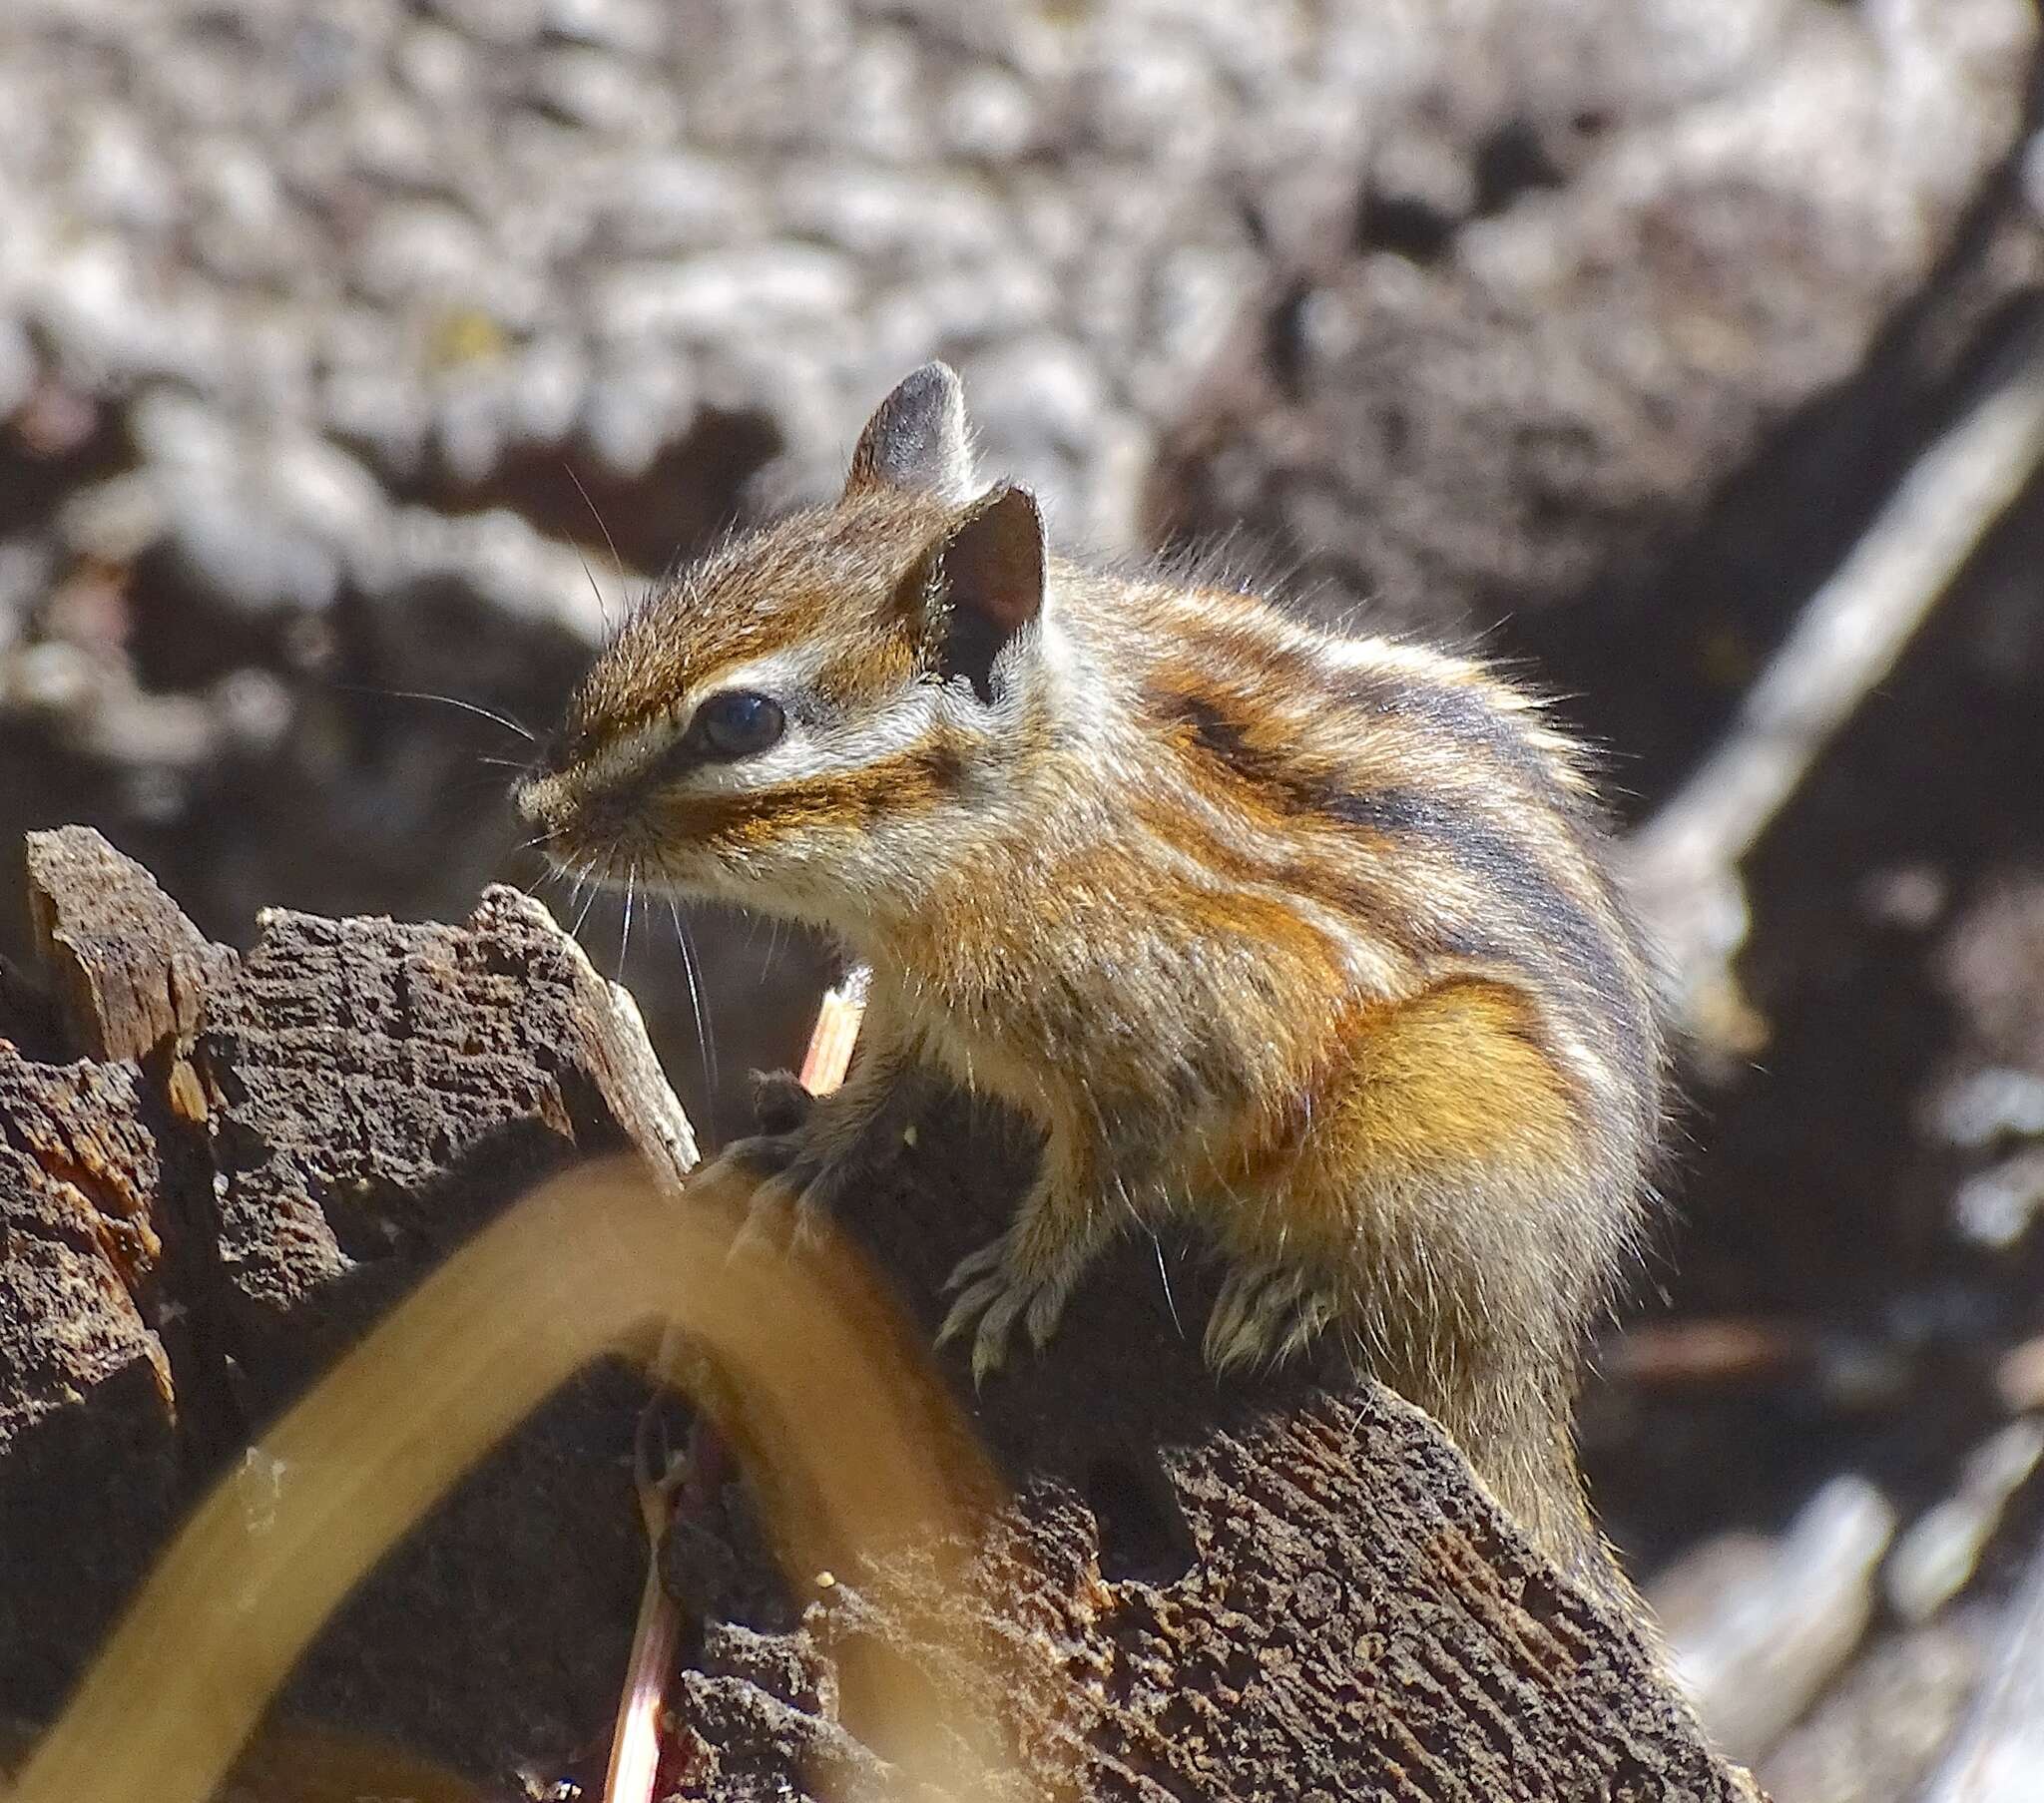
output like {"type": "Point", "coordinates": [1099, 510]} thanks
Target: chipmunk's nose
{"type": "Point", "coordinates": [554, 751]}
{"type": "Point", "coordinates": [537, 797]}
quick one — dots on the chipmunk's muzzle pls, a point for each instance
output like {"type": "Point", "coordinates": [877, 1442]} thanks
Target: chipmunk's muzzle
{"type": "Point", "coordinates": [608, 835]}
{"type": "Point", "coordinates": [542, 801]}
{"type": "Point", "coordinates": [580, 833]}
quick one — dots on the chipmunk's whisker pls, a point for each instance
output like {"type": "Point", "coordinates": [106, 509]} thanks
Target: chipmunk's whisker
{"type": "Point", "coordinates": [706, 1035]}
{"type": "Point", "coordinates": [532, 845]}
{"type": "Point", "coordinates": [452, 701]}
{"type": "Point", "coordinates": [1164, 1277]}
{"type": "Point", "coordinates": [624, 937]}
{"type": "Point", "coordinates": [585, 875]}
{"type": "Point", "coordinates": [610, 542]}
{"type": "Point", "coordinates": [603, 608]}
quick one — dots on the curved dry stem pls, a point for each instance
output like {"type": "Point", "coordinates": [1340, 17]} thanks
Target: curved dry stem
{"type": "Point", "coordinates": [840, 1443]}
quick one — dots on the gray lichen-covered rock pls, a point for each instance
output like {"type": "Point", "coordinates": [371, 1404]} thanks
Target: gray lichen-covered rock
{"type": "Point", "coordinates": [496, 229]}
{"type": "Point", "coordinates": [1589, 284]}
{"type": "Point", "coordinates": [332, 331]}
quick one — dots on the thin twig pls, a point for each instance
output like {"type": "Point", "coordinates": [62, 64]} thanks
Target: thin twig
{"type": "Point", "coordinates": [635, 1745]}
{"type": "Point", "coordinates": [837, 1032]}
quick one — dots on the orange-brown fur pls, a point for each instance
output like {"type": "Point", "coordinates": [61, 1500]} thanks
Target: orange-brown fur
{"type": "Point", "coordinates": [1308, 941]}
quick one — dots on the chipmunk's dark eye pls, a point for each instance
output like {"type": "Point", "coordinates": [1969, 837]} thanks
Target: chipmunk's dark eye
{"type": "Point", "coordinates": [735, 724]}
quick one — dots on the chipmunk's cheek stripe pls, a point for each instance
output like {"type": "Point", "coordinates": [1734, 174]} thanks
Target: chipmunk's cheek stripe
{"type": "Point", "coordinates": [743, 822]}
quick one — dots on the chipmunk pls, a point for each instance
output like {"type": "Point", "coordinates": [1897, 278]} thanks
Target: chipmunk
{"type": "Point", "coordinates": [1307, 939]}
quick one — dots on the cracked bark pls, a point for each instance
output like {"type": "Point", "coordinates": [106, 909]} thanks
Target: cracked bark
{"type": "Point", "coordinates": [1199, 1592]}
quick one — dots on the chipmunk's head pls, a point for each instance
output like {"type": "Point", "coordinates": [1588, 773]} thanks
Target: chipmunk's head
{"type": "Point", "coordinates": [803, 722]}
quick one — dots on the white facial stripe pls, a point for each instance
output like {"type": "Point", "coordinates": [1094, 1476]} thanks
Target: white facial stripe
{"type": "Point", "coordinates": [777, 673]}
{"type": "Point", "coordinates": [902, 724]}
{"type": "Point", "coordinates": [617, 762]}
{"type": "Point", "coordinates": [808, 750]}
{"type": "Point", "coordinates": [627, 755]}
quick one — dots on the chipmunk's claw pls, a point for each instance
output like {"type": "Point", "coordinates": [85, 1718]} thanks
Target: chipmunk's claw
{"type": "Point", "coordinates": [782, 1219]}
{"type": "Point", "coordinates": [991, 1296]}
{"type": "Point", "coordinates": [1265, 1315]}
{"type": "Point", "coordinates": [789, 1199]}
{"type": "Point", "coordinates": [988, 1311]}
{"type": "Point", "coordinates": [982, 1263]}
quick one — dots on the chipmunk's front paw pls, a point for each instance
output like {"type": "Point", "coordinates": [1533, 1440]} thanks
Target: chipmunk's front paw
{"type": "Point", "coordinates": [993, 1290]}
{"type": "Point", "coordinates": [1265, 1315]}
{"type": "Point", "coordinates": [790, 1197]}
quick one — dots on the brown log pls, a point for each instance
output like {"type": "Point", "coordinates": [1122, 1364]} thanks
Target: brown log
{"type": "Point", "coordinates": [126, 967]}
{"type": "Point", "coordinates": [1201, 1591]}
{"type": "Point", "coordinates": [88, 1443]}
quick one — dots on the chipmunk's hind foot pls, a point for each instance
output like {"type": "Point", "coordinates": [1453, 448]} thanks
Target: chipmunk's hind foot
{"type": "Point", "coordinates": [994, 1290]}
{"type": "Point", "coordinates": [1267, 1314]}
{"type": "Point", "coordinates": [794, 1194]}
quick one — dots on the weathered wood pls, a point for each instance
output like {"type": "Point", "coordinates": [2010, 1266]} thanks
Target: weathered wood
{"type": "Point", "coordinates": [1229, 1590]}
{"type": "Point", "coordinates": [325, 1115]}
{"type": "Point", "coordinates": [374, 1089]}
{"type": "Point", "coordinates": [126, 967]}
{"type": "Point", "coordinates": [1201, 1591]}
{"type": "Point", "coordinates": [88, 1436]}
{"type": "Point", "coordinates": [93, 1435]}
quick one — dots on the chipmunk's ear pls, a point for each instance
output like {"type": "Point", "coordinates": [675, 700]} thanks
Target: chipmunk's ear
{"type": "Point", "coordinates": [986, 585]}
{"type": "Point", "coordinates": [918, 438]}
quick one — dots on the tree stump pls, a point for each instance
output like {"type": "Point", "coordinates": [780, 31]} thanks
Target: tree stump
{"type": "Point", "coordinates": [217, 1167]}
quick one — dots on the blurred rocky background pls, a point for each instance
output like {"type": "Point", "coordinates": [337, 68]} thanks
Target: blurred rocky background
{"type": "Point", "coordinates": [366, 352]}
